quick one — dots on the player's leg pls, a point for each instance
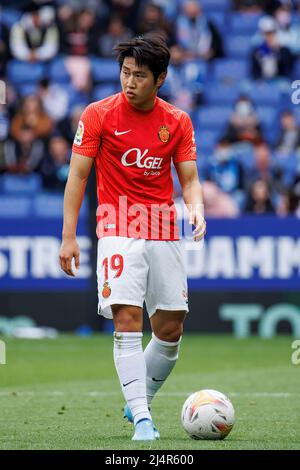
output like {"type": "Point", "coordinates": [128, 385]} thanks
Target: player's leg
{"type": "Point", "coordinates": [166, 302]}
{"type": "Point", "coordinates": [122, 272]}
{"type": "Point", "coordinates": [162, 351]}
{"type": "Point", "coordinates": [131, 368]}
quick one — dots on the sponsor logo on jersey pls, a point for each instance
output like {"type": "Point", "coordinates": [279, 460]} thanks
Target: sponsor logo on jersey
{"type": "Point", "coordinates": [79, 134]}
{"type": "Point", "coordinates": [106, 291]}
{"type": "Point", "coordinates": [164, 134]}
{"type": "Point", "coordinates": [138, 158]}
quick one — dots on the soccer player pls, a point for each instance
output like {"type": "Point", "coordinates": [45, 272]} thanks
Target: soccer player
{"type": "Point", "coordinates": [132, 137]}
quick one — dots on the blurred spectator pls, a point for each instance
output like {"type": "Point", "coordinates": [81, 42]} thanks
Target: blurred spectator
{"type": "Point", "coordinates": [68, 126]}
{"type": "Point", "coordinates": [94, 5]}
{"type": "Point", "coordinates": [79, 33]}
{"type": "Point", "coordinates": [128, 10]}
{"type": "Point", "coordinates": [54, 98]}
{"type": "Point", "coordinates": [25, 154]}
{"type": "Point", "coordinates": [248, 6]}
{"type": "Point", "coordinates": [244, 123]}
{"type": "Point", "coordinates": [289, 139]}
{"type": "Point", "coordinates": [4, 122]}
{"type": "Point", "coordinates": [259, 198]}
{"type": "Point", "coordinates": [32, 117]}
{"type": "Point", "coordinates": [4, 49]}
{"type": "Point", "coordinates": [35, 37]}
{"type": "Point", "coordinates": [269, 59]}
{"type": "Point", "coordinates": [294, 201]}
{"type": "Point", "coordinates": [55, 167]}
{"type": "Point", "coordinates": [196, 33]}
{"type": "Point", "coordinates": [217, 203]}
{"type": "Point", "coordinates": [226, 171]}
{"type": "Point", "coordinates": [153, 20]}
{"type": "Point", "coordinates": [288, 32]}
{"type": "Point", "coordinates": [262, 168]}
{"type": "Point", "coordinates": [184, 84]}
{"type": "Point", "coordinates": [4, 129]}
{"type": "Point", "coordinates": [116, 32]}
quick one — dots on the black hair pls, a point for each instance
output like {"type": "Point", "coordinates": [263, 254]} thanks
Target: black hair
{"type": "Point", "coordinates": [150, 50]}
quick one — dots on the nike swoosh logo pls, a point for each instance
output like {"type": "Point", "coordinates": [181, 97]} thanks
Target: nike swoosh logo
{"type": "Point", "coordinates": [121, 133]}
{"type": "Point", "coordinates": [158, 380]}
{"type": "Point", "coordinates": [134, 380]}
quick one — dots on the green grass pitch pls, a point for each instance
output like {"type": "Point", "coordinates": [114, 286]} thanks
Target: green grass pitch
{"type": "Point", "coordinates": [64, 394]}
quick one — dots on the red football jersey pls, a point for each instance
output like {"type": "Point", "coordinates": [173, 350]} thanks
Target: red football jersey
{"type": "Point", "coordinates": [133, 151]}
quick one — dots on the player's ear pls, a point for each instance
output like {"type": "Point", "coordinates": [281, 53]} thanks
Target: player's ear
{"type": "Point", "coordinates": [160, 79]}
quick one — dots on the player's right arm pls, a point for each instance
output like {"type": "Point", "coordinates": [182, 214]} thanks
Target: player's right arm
{"type": "Point", "coordinates": [80, 168]}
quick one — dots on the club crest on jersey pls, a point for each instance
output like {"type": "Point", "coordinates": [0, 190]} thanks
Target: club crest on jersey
{"type": "Point", "coordinates": [164, 134]}
{"type": "Point", "coordinates": [106, 291]}
{"type": "Point", "coordinates": [79, 134]}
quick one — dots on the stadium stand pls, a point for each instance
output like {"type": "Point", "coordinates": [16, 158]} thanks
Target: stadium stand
{"type": "Point", "coordinates": [206, 85]}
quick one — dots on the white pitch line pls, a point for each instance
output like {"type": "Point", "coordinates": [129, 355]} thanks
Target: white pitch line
{"type": "Point", "coordinates": [100, 393]}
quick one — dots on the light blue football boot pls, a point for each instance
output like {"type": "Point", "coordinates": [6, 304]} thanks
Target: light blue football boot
{"type": "Point", "coordinates": [144, 431]}
{"type": "Point", "coordinates": [128, 415]}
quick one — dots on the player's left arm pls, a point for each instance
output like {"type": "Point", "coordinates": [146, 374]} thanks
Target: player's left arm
{"type": "Point", "coordinates": [186, 167]}
{"type": "Point", "coordinates": [193, 196]}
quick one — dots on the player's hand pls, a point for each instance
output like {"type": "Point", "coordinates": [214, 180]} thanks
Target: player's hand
{"type": "Point", "coordinates": [199, 222]}
{"type": "Point", "coordinates": [69, 249]}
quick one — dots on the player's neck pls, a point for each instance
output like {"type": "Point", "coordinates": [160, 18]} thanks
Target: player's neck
{"type": "Point", "coordinates": [147, 105]}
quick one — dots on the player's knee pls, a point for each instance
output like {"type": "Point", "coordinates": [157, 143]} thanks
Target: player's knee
{"type": "Point", "coordinates": [127, 318]}
{"type": "Point", "coordinates": [170, 333]}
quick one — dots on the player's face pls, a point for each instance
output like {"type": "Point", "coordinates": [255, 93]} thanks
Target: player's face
{"type": "Point", "coordinates": [138, 84]}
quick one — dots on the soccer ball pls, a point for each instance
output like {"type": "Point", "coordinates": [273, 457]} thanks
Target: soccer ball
{"type": "Point", "coordinates": [207, 414]}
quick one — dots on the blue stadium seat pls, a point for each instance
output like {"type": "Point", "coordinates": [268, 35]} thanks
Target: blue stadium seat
{"type": "Point", "coordinates": [216, 5]}
{"type": "Point", "coordinates": [103, 91]}
{"type": "Point", "coordinates": [15, 207]}
{"type": "Point", "coordinates": [25, 89]}
{"type": "Point", "coordinates": [288, 165]}
{"type": "Point", "coordinates": [57, 71]}
{"type": "Point", "coordinates": [28, 184]}
{"type": "Point", "coordinates": [20, 72]}
{"type": "Point", "coordinates": [10, 16]}
{"type": "Point", "coordinates": [47, 205]}
{"type": "Point", "coordinates": [230, 70]}
{"type": "Point", "coordinates": [243, 23]}
{"type": "Point", "coordinates": [218, 18]}
{"type": "Point", "coordinates": [296, 110]}
{"type": "Point", "coordinates": [217, 93]}
{"type": "Point", "coordinates": [206, 140]}
{"type": "Point", "coordinates": [268, 117]}
{"type": "Point", "coordinates": [271, 136]}
{"type": "Point", "coordinates": [238, 46]}
{"type": "Point", "coordinates": [296, 72]}
{"type": "Point", "coordinates": [213, 117]}
{"type": "Point", "coordinates": [76, 97]}
{"type": "Point", "coordinates": [265, 93]}
{"type": "Point", "coordinates": [105, 70]}
{"type": "Point", "coordinates": [196, 70]}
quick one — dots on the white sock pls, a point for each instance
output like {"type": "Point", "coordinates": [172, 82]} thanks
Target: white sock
{"type": "Point", "coordinates": [131, 368]}
{"type": "Point", "coordinates": [160, 357]}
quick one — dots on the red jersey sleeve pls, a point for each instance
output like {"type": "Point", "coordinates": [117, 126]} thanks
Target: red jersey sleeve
{"type": "Point", "coordinates": [88, 136]}
{"type": "Point", "coordinates": [186, 150]}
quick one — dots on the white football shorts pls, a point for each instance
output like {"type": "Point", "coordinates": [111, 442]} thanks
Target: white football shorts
{"type": "Point", "coordinates": [133, 270]}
